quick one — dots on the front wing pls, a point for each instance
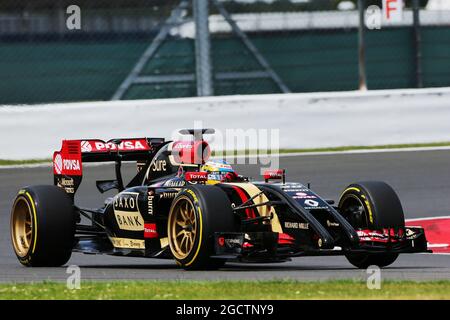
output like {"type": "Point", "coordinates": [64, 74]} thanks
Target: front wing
{"type": "Point", "coordinates": [273, 246]}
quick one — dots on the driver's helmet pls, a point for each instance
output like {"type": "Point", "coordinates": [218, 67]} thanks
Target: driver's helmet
{"type": "Point", "coordinates": [218, 170]}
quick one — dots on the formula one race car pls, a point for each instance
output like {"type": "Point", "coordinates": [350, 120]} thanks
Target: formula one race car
{"type": "Point", "coordinates": [181, 205]}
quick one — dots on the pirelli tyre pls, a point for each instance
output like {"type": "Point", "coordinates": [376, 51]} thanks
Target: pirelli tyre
{"type": "Point", "coordinates": [195, 215]}
{"type": "Point", "coordinates": [371, 205]}
{"type": "Point", "coordinates": [42, 226]}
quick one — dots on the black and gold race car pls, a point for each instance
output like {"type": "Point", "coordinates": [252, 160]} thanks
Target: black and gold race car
{"type": "Point", "coordinates": [183, 206]}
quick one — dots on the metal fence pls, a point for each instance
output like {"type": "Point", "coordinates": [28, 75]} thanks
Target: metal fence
{"type": "Point", "coordinates": [139, 49]}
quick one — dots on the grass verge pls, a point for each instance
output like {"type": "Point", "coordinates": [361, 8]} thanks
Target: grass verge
{"type": "Point", "coordinates": [241, 290]}
{"type": "Point", "coordinates": [4, 162]}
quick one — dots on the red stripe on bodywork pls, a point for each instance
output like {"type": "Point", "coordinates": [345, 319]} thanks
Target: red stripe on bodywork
{"type": "Point", "coordinates": [248, 212]}
{"type": "Point", "coordinates": [384, 236]}
{"type": "Point", "coordinates": [437, 231]}
{"type": "Point", "coordinates": [284, 238]}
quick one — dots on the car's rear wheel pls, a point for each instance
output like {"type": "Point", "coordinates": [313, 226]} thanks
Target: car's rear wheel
{"type": "Point", "coordinates": [195, 215]}
{"type": "Point", "coordinates": [371, 205]}
{"type": "Point", "coordinates": [42, 226]}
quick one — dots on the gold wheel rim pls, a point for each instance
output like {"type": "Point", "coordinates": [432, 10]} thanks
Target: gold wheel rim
{"type": "Point", "coordinates": [182, 228]}
{"type": "Point", "coordinates": [21, 227]}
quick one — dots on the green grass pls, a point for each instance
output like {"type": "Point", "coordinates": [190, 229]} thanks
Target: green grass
{"type": "Point", "coordinates": [272, 290]}
{"type": "Point", "coordinates": [4, 162]}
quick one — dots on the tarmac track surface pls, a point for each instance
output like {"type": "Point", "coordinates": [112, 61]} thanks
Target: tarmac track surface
{"type": "Point", "coordinates": [421, 178]}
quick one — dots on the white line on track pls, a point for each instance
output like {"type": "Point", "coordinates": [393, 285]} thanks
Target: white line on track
{"type": "Point", "coordinates": [361, 151]}
{"type": "Point", "coordinates": [293, 154]}
{"type": "Point", "coordinates": [331, 153]}
{"type": "Point", "coordinates": [427, 218]}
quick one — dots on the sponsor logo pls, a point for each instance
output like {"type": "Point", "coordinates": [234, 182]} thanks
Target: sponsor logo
{"type": "Point", "coordinates": [311, 208]}
{"type": "Point", "coordinates": [295, 190]}
{"type": "Point", "coordinates": [296, 186]}
{"type": "Point", "coordinates": [233, 242]}
{"type": "Point", "coordinates": [303, 195]}
{"type": "Point", "coordinates": [168, 195]}
{"type": "Point", "coordinates": [332, 224]}
{"type": "Point", "coordinates": [150, 231]}
{"type": "Point", "coordinates": [126, 212]}
{"type": "Point", "coordinates": [131, 221]}
{"type": "Point", "coordinates": [67, 184]}
{"type": "Point", "coordinates": [192, 193]}
{"type": "Point", "coordinates": [150, 198]}
{"type": "Point", "coordinates": [194, 177]}
{"type": "Point", "coordinates": [139, 166]}
{"type": "Point", "coordinates": [126, 202]}
{"type": "Point", "coordinates": [128, 243]}
{"type": "Point", "coordinates": [175, 183]}
{"type": "Point", "coordinates": [58, 164]}
{"type": "Point", "coordinates": [86, 146]}
{"type": "Point", "coordinates": [127, 145]}
{"type": "Point", "coordinates": [296, 225]}
{"type": "Point", "coordinates": [367, 235]}
{"type": "Point", "coordinates": [72, 165]}
{"type": "Point", "coordinates": [159, 165]}
{"type": "Point", "coordinates": [100, 146]}
{"type": "Point", "coordinates": [273, 174]}
{"type": "Point", "coordinates": [197, 176]}
{"type": "Point", "coordinates": [61, 165]}
{"type": "Point", "coordinates": [214, 176]}
{"type": "Point", "coordinates": [181, 145]}
{"type": "Point", "coordinates": [311, 203]}
{"type": "Point", "coordinates": [409, 233]}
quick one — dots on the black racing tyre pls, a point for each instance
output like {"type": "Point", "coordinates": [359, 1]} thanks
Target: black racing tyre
{"type": "Point", "coordinates": [363, 261]}
{"type": "Point", "coordinates": [371, 205]}
{"type": "Point", "coordinates": [196, 213]}
{"type": "Point", "coordinates": [42, 226]}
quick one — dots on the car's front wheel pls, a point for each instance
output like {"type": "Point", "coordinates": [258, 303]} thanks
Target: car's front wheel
{"type": "Point", "coordinates": [371, 205]}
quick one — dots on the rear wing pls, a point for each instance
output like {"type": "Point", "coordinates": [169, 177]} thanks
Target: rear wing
{"type": "Point", "coordinates": [130, 149]}
{"type": "Point", "coordinates": [68, 162]}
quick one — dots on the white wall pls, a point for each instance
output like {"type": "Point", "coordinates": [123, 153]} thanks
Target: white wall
{"type": "Point", "coordinates": [312, 120]}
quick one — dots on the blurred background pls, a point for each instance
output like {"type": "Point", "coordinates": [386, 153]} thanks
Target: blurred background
{"type": "Point", "coordinates": [145, 49]}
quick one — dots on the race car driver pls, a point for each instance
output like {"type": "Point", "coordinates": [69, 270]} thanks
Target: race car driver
{"type": "Point", "coordinates": [219, 171]}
